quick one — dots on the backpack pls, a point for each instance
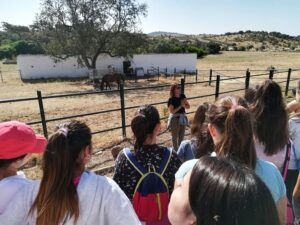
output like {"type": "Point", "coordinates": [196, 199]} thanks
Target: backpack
{"type": "Point", "coordinates": [151, 195]}
{"type": "Point", "coordinates": [289, 208]}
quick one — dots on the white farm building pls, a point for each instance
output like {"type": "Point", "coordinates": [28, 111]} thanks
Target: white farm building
{"type": "Point", "coordinates": [43, 66]}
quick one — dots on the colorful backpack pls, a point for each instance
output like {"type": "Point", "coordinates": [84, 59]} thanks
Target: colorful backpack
{"type": "Point", "coordinates": [151, 195]}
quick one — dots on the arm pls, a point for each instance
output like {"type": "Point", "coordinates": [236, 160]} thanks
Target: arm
{"type": "Point", "coordinates": [281, 209]}
{"type": "Point", "coordinates": [174, 110]}
{"type": "Point", "coordinates": [296, 192]}
{"type": "Point", "coordinates": [185, 103]}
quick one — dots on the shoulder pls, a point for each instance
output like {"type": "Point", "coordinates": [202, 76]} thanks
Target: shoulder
{"type": "Point", "coordinates": [182, 96]}
{"type": "Point", "coordinates": [271, 176]}
{"type": "Point", "coordinates": [185, 168]}
{"type": "Point", "coordinates": [171, 100]}
{"type": "Point", "coordinates": [265, 165]}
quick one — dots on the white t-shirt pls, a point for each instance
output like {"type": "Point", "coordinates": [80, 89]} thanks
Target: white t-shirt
{"type": "Point", "coordinates": [294, 130]}
{"type": "Point", "coordinates": [9, 186]}
{"type": "Point", "coordinates": [278, 158]}
{"type": "Point", "coordinates": [101, 202]}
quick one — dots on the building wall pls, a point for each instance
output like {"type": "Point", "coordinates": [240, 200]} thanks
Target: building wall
{"type": "Point", "coordinates": [42, 66]}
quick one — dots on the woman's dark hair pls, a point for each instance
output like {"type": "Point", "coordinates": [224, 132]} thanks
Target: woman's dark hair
{"type": "Point", "coordinates": [199, 118]}
{"type": "Point", "coordinates": [270, 117]}
{"type": "Point", "coordinates": [223, 192]}
{"type": "Point", "coordinates": [143, 124]}
{"type": "Point", "coordinates": [250, 94]}
{"type": "Point", "coordinates": [231, 117]}
{"type": "Point", "coordinates": [203, 143]}
{"type": "Point", "coordinates": [57, 196]}
{"type": "Point", "coordinates": [172, 89]}
{"type": "Point", "coordinates": [6, 162]}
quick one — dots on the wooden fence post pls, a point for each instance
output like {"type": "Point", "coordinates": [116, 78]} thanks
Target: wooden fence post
{"type": "Point", "coordinates": [217, 91]}
{"type": "Point", "coordinates": [182, 85]}
{"type": "Point", "coordinates": [247, 80]}
{"type": "Point", "coordinates": [288, 81]}
{"type": "Point", "coordinates": [42, 113]}
{"type": "Point", "coordinates": [123, 116]}
{"type": "Point", "coordinates": [210, 77]}
{"type": "Point", "coordinates": [271, 74]}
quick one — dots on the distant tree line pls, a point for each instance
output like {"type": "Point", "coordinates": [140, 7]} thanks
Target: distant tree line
{"type": "Point", "coordinates": [15, 40]}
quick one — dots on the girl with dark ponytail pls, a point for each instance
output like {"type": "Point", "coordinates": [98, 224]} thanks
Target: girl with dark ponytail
{"type": "Point", "coordinates": [67, 194]}
{"type": "Point", "coordinates": [229, 123]}
{"type": "Point", "coordinates": [145, 127]}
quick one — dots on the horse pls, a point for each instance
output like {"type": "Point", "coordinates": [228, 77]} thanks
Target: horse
{"type": "Point", "coordinates": [109, 78]}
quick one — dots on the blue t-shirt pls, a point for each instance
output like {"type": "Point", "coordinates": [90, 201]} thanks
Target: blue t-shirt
{"type": "Point", "coordinates": [266, 171]}
{"type": "Point", "coordinates": [186, 150]}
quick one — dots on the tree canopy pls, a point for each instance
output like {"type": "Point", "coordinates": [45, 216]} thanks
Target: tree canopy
{"type": "Point", "coordinates": [87, 28]}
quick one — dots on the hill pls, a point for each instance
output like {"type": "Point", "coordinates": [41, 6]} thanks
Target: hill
{"type": "Point", "coordinates": [240, 41]}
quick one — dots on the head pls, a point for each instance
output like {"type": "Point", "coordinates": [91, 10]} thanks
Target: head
{"type": "Point", "coordinates": [250, 94]}
{"type": "Point", "coordinates": [145, 124]}
{"type": "Point", "coordinates": [175, 90]}
{"type": "Point", "coordinates": [270, 114]}
{"type": "Point", "coordinates": [230, 126]}
{"type": "Point", "coordinates": [199, 130]}
{"type": "Point", "coordinates": [18, 142]}
{"type": "Point", "coordinates": [199, 118]}
{"type": "Point", "coordinates": [66, 154]}
{"type": "Point", "coordinates": [224, 192]}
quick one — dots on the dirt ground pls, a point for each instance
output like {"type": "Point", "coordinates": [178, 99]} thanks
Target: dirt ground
{"type": "Point", "coordinates": [228, 64]}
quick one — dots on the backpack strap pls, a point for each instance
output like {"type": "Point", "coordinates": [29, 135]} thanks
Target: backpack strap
{"type": "Point", "coordinates": [132, 160]}
{"type": "Point", "coordinates": [165, 161]}
{"type": "Point", "coordinates": [286, 160]}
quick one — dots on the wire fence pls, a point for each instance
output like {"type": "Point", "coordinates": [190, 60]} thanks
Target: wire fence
{"type": "Point", "coordinates": [217, 83]}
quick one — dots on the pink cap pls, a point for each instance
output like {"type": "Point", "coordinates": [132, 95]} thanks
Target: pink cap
{"type": "Point", "coordinates": [17, 139]}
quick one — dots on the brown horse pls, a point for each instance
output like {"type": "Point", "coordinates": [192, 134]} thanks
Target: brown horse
{"type": "Point", "coordinates": [109, 78]}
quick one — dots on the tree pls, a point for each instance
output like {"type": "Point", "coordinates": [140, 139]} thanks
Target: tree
{"type": "Point", "coordinates": [88, 28]}
{"type": "Point", "coordinates": [213, 47]}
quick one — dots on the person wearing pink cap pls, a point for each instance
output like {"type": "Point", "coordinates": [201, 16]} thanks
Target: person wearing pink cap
{"type": "Point", "coordinates": [68, 193]}
{"type": "Point", "coordinates": [17, 142]}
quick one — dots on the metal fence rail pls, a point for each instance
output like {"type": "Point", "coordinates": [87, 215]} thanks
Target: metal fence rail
{"type": "Point", "coordinates": [215, 77]}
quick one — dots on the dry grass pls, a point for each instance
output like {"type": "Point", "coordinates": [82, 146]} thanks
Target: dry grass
{"type": "Point", "coordinates": [13, 87]}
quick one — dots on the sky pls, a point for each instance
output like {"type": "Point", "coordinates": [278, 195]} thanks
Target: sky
{"type": "Point", "coordinates": [191, 16]}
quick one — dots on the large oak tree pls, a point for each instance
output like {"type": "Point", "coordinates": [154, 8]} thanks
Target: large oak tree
{"type": "Point", "coordinates": [88, 28]}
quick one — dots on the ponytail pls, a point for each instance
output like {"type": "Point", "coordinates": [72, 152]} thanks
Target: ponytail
{"type": "Point", "coordinates": [237, 142]}
{"type": "Point", "coordinates": [233, 120]}
{"type": "Point", "coordinates": [57, 197]}
{"type": "Point", "coordinates": [139, 128]}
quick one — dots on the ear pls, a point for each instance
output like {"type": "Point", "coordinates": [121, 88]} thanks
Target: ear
{"type": "Point", "coordinates": [212, 130]}
{"type": "Point", "coordinates": [157, 128]}
{"type": "Point", "coordinates": [85, 154]}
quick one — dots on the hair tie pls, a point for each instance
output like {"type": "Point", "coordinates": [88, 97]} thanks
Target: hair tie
{"type": "Point", "coordinates": [63, 131]}
{"type": "Point", "coordinates": [234, 106]}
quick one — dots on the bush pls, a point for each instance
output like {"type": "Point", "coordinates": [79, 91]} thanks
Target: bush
{"type": "Point", "coordinates": [213, 47]}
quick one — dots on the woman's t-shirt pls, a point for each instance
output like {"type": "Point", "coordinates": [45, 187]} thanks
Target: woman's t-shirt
{"type": "Point", "coordinates": [267, 172]}
{"type": "Point", "coordinates": [175, 102]}
{"type": "Point", "coordinates": [278, 158]}
{"type": "Point", "coordinates": [126, 176]}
